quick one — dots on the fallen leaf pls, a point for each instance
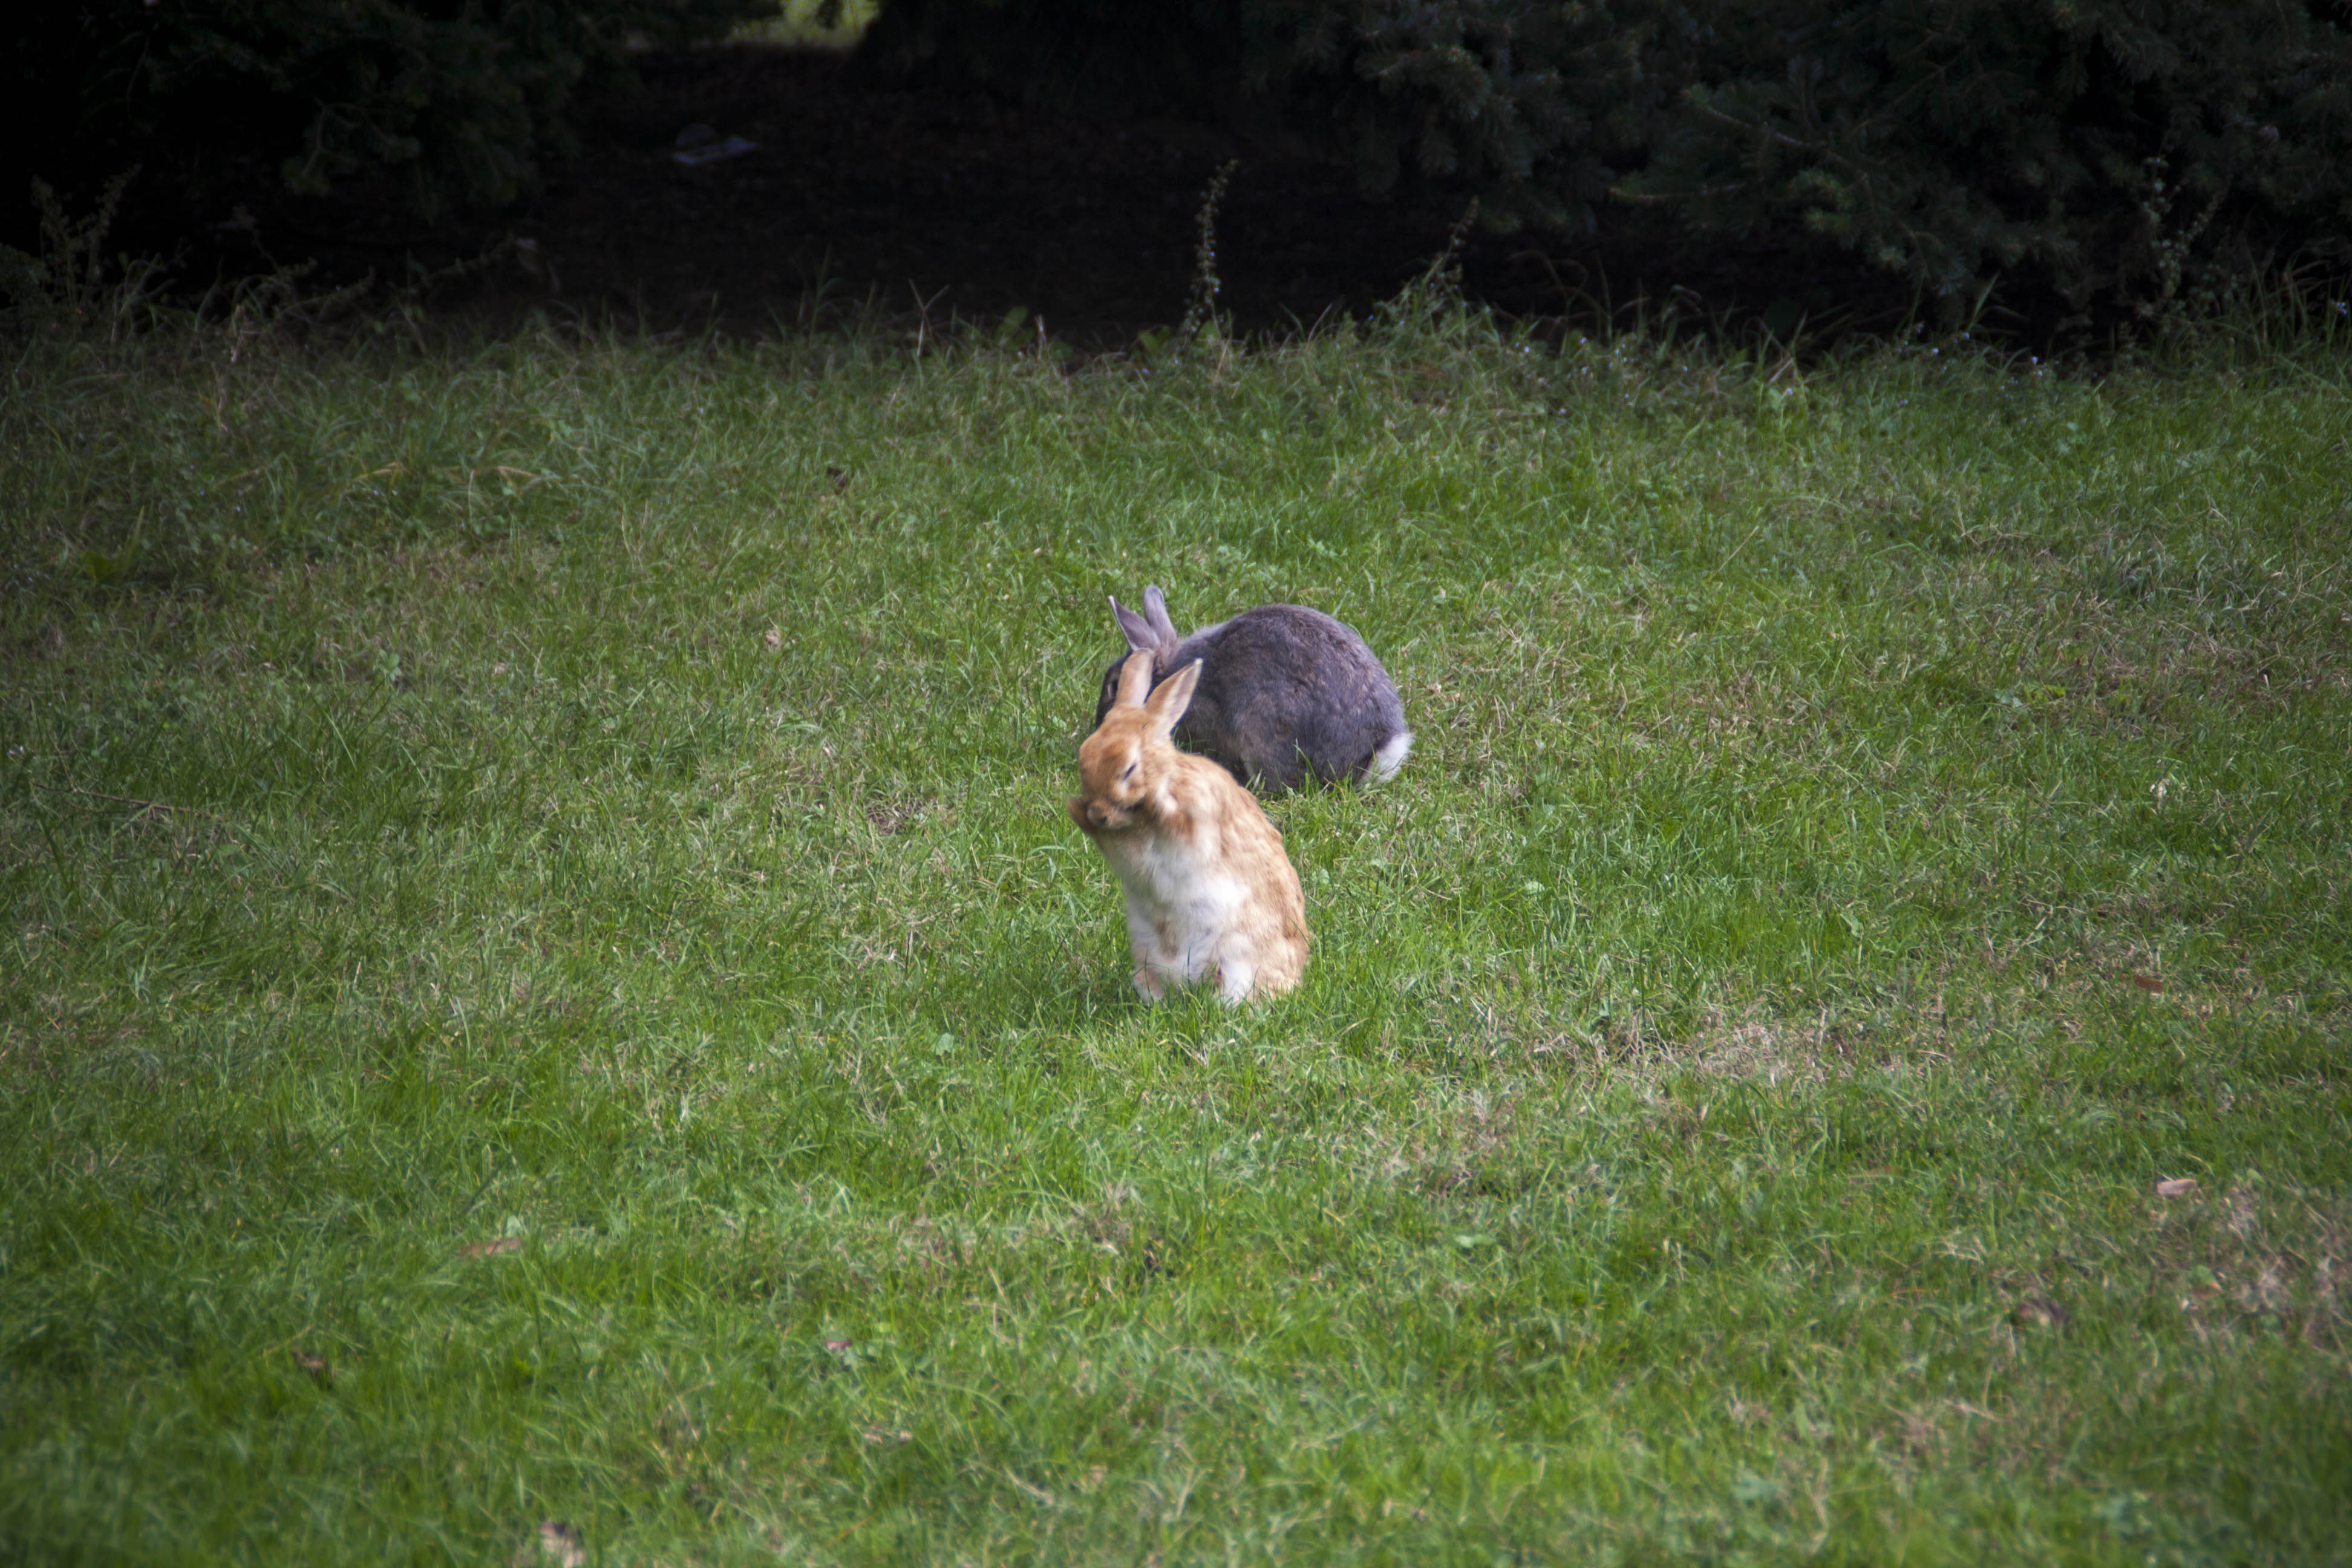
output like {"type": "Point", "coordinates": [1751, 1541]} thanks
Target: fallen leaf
{"type": "Point", "coordinates": [2147, 983]}
{"type": "Point", "coordinates": [2039, 1312]}
{"type": "Point", "coordinates": [556, 1542]}
{"type": "Point", "coordinates": [491, 1249]}
{"type": "Point", "coordinates": [2176, 1187]}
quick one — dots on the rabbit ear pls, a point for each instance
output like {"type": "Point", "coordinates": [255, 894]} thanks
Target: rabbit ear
{"type": "Point", "coordinates": [1134, 680]}
{"type": "Point", "coordinates": [1138, 631]}
{"type": "Point", "coordinates": [1155, 611]}
{"type": "Point", "coordinates": [1170, 697]}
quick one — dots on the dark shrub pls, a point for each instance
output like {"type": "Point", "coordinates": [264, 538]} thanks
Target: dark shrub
{"type": "Point", "coordinates": [2133, 152]}
{"type": "Point", "coordinates": [452, 101]}
{"type": "Point", "coordinates": [2143, 149]}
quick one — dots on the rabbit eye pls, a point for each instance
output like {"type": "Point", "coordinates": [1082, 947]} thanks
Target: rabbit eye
{"type": "Point", "coordinates": [1130, 771]}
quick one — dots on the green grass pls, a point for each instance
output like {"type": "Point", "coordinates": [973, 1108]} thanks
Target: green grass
{"type": "Point", "coordinates": [545, 976]}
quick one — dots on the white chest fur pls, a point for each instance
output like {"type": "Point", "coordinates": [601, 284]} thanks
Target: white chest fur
{"type": "Point", "coordinates": [1181, 903]}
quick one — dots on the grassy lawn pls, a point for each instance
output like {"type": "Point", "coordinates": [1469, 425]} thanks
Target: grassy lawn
{"type": "Point", "coordinates": [549, 1011]}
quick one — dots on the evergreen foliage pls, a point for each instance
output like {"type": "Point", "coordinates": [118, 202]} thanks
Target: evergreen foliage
{"type": "Point", "coordinates": [1524, 102]}
{"type": "Point", "coordinates": [2143, 153]}
{"type": "Point", "coordinates": [453, 100]}
{"type": "Point", "coordinates": [2139, 147]}
{"type": "Point", "coordinates": [1518, 99]}
{"type": "Point", "coordinates": [2134, 154]}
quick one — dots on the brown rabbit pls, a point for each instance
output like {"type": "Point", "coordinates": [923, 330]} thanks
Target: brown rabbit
{"type": "Point", "coordinates": [1210, 893]}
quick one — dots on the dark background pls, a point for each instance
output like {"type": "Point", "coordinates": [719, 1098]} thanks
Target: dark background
{"type": "Point", "coordinates": [2043, 173]}
{"type": "Point", "coordinates": [927, 208]}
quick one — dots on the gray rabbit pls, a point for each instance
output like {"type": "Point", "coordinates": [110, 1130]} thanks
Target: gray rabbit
{"type": "Point", "coordinates": [1284, 690]}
